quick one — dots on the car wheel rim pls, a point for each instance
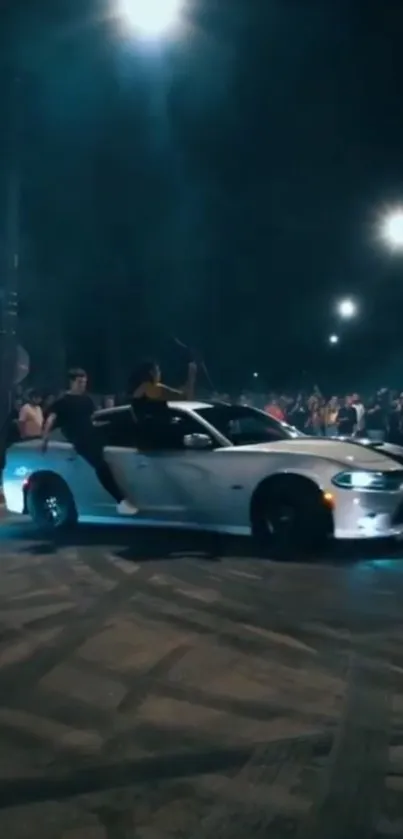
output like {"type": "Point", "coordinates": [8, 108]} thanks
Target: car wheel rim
{"type": "Point", "coordinates": [281, 521]}
{"type": "Point", "coordinates": [53, 510]}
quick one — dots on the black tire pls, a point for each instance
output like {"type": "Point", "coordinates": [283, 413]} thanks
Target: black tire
{"type": "Point", "coordinates": [291, 521]}
{"type": "Point", "coordinates": [50, 504]}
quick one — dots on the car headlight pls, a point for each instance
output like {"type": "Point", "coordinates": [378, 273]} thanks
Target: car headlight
{"type": "Point", "coordinates": [387, 481]}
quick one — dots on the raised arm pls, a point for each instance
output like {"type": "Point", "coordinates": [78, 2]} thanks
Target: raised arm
{"type": "Point", "coordinates": [163, 393]}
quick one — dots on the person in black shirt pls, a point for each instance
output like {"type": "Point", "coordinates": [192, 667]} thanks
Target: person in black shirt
{"type": "Point", "coordinates": [376, 419]}
{"type": "Point", "coordinates": [346, 419]}
{"type": "Point", "coordinates": [72, 413]}
{"type": "Point", "coordinates": [394, 422]}
{"type": "Point", "coordinates": [298, 415]}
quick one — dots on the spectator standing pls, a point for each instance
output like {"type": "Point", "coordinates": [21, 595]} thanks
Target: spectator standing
{"type": "Point", "coordinates": [376, 425]}
{"type": "Point", "coordinates": [298, 414]}
{"type": "Point", "coordinates": [331, 417]}
{"type": "Point", "coordinates": [30, 417]}
{"type": "Point", "coordinates": [359, 408]}
{"type": "Point", "coordinates": [274, 409]}
{"type": "Point", "coordinates": [395, 422]}
{"type": "Point", "coordinates": [315, 415]}
{"type": "Point", "coordinates": [346, 418]}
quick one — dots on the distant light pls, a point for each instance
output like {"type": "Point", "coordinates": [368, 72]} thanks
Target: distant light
{"type": "Point", "coordinates": [391, 229]}
{"type": "Point", "coordinates": [334, 339]}
{"type": "Point", "coordinates": [150, 18]}
{"type": "Point", "coordinates": [347, 309]}
{"type": "Point", "coordinates": [256, 375]}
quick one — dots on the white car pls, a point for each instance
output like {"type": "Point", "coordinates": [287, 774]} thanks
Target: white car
{"type": "Point", "coordinates": [213, 467]}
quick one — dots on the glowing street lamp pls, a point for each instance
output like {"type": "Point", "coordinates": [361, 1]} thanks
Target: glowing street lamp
{"type": "Point", "coordinates": [391, 229]}
{"type": "Point", "coordinates": [151, 19]}
{"type": "Point", "coordinates": [347, 309]}
{"type": "Point", "coordinates": [333, 339]}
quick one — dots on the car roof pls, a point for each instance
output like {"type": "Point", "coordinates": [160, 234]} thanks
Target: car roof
{"type": "Point", "coordinates": [105, 413]}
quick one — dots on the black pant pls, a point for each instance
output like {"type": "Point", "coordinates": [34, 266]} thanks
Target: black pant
{"type": "Point", "coordinates": [92, 451]}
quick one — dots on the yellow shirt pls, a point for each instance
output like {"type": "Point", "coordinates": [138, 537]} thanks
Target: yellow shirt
{"type": "Point", "coordinates": [157, 392]}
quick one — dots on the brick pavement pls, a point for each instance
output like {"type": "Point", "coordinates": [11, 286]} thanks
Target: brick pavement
{"type": "Point", "coordinates": [169, 697]}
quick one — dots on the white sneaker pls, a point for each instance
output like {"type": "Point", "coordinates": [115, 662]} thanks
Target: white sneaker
{"type": "Point", "coordinates": [125, 508]}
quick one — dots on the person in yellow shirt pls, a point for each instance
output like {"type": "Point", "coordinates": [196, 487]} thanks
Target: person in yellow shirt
{"type": "Point", "coordinates": [145, 384]}
{"type": "Point", "coordinates": [149, 398]}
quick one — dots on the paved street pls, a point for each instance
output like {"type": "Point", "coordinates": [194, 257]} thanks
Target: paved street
{"type": "Point", "coordinates": [157, 686]}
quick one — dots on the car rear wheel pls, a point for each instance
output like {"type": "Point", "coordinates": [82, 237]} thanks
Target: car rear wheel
{"type": "Point", "coordinates": [50, 504]}
{"type": "Point", "coordinates": [289, 522]}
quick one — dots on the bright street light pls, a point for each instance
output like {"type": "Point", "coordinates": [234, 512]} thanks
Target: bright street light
{"type": "Point", "coordinates": [391, 229]}
{"type": "Point", "coordinates": [333, 339]}
{"type": "Point", "coordinates": [150, 18]}
{"type": "Point", "coordinates": [347, 309]}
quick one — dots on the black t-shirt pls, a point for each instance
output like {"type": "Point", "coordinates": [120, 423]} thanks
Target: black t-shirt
{"type": "Point", "coordinates": [298, 417]}
{"type": "Point", "coordinates": [376, 418]}
{"type": "Point", "coordinates": [394, 421]}
{"type": "Point", "coordinates": [346, 420]}
{"type": "Point", "coordinates": [73, 416]}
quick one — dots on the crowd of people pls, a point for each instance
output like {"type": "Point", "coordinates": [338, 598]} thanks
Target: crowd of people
{"type": "Point", "coordinates": [378, 417]}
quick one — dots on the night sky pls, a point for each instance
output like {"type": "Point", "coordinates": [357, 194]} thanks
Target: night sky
{"type": "Point", "coordinates": [224, 188]}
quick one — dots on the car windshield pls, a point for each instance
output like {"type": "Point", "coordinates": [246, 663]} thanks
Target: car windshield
{"type": "Point", "coordinates": [242, 425]}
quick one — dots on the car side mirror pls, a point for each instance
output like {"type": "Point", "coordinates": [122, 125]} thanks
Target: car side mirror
{"type": "Point", "coordinates": [197, 441]}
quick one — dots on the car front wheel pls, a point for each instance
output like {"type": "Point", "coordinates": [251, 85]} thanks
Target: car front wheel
{"type": "Point", "coordinates": [289, 522]}
{"type": "Point", "coordinates": [50, 504]}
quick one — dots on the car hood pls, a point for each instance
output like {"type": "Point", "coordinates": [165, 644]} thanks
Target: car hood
{"type": "Point", "coordinates": [349, 454]}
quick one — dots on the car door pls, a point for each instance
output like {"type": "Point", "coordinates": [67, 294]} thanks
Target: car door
{"type": "Point", "coordinates": [202, 483]}
{"type": "Point", "coordinates": [138, 459]}
{"type": "Point", "coordinates": [153, 468]}
{"type": "Point", "coordinates": [151, 471]}
{"type": "Point", "coordinates": [137, 476]}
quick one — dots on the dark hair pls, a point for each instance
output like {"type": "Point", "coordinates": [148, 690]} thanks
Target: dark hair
{"type": "Point", "coordinates": [76, 373]}
{"type": "Point", "coordinates": [144, 372]}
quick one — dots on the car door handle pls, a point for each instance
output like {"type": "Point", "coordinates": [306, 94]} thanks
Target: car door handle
{"type": "Point", "coordinates": [142, 465]}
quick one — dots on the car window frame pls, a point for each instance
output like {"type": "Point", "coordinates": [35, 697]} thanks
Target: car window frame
{"type": "Point", "coordinates": [196, 426]}
{"type": "Point", "coordinates": [276, 425]}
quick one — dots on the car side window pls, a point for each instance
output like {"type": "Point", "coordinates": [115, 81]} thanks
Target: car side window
{"type": "Point", "coordinates": [171, 429]}
{"type": "Point", "coordinates": [159, 431]}
{"type": "Point", "coordinates": [248, 427]}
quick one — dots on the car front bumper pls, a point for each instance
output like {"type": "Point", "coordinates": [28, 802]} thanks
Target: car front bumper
{"type": "Point", "coordinates": [367, 515]}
